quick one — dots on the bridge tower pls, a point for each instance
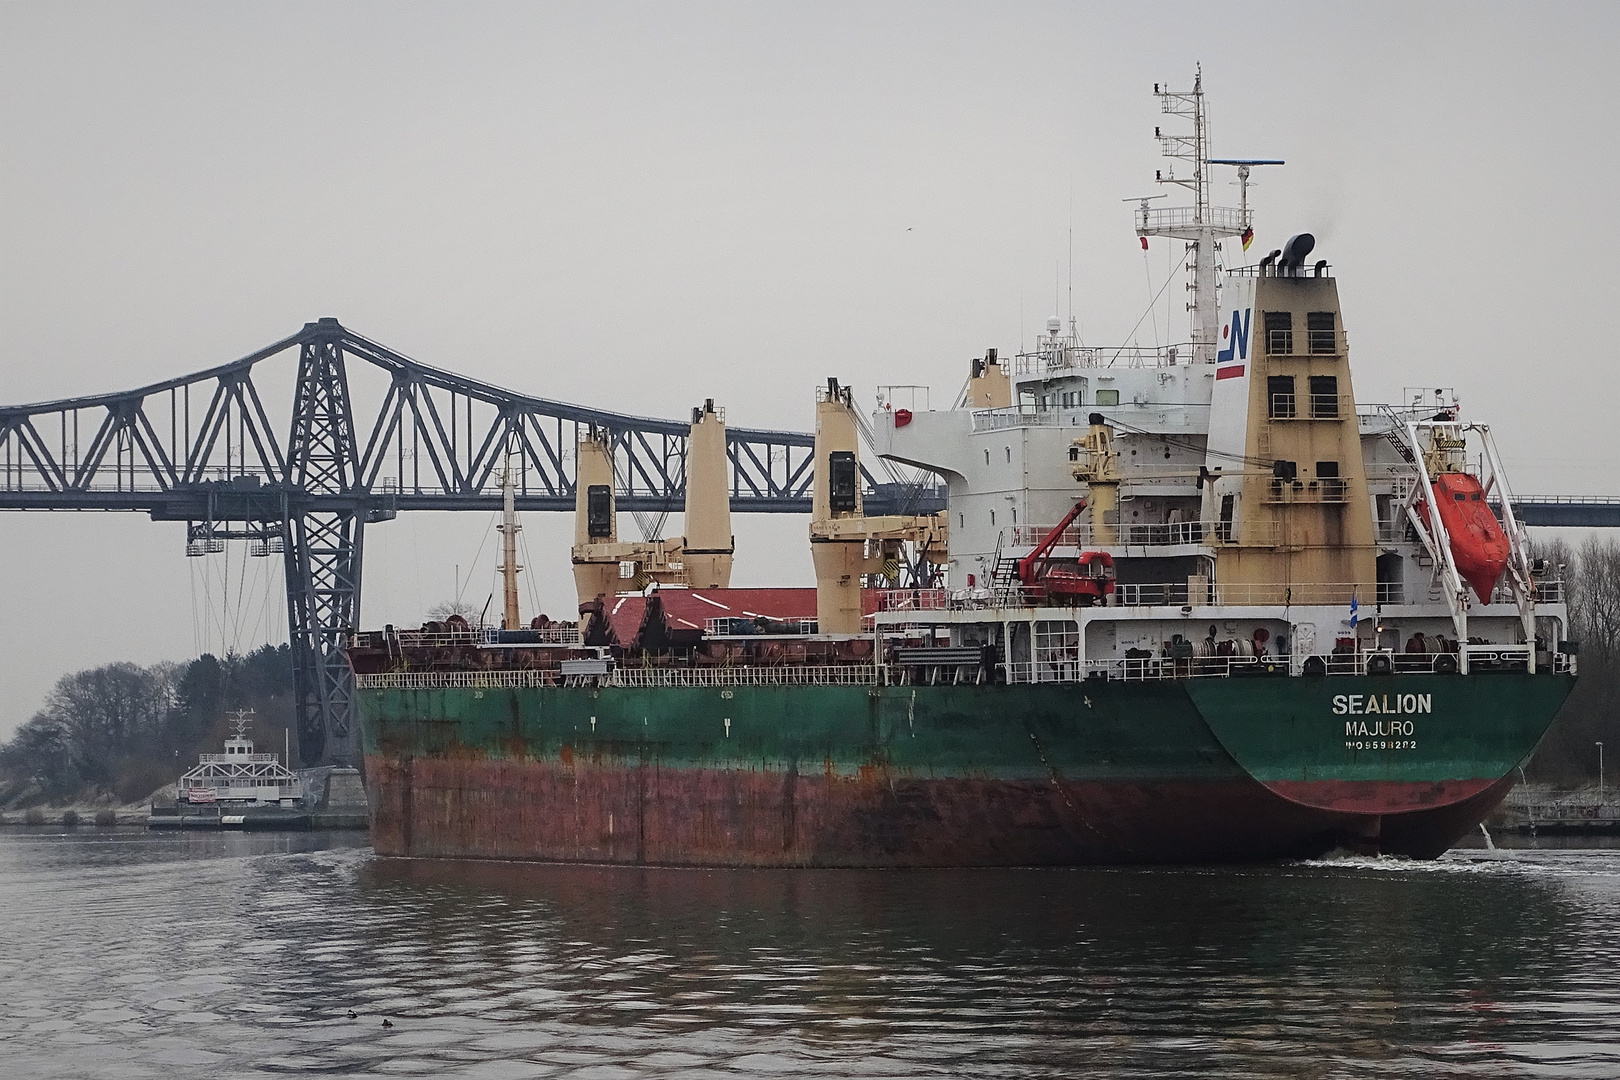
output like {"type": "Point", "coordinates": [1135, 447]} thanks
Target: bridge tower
{"type": "Point", "coordinates": [323, 555]}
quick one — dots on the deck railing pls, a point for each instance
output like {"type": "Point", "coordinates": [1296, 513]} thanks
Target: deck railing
{"type": "Point", "coordinates": [1149, 534]}
{"type": "Point", "coordinates": [750, 675]}
{"type": "Point", "coordinates": [759, 675]}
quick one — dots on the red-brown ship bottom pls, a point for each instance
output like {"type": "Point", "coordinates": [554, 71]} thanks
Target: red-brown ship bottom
{"type": "Point", "coordinates": [471, 807]}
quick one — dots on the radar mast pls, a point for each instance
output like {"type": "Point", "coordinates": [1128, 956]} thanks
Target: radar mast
{"type": "Point", "coordinates": [1201, 224]}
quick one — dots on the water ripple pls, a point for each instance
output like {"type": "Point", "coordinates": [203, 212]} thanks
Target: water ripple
{"type": "Point", "coordinates": [130, 955]}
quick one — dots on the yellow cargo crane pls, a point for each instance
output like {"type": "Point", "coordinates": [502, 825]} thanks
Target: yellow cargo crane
{"type": "Point", "coordinates": [845, 544]}
{"type": "Point", "coordinates": [701, 559]}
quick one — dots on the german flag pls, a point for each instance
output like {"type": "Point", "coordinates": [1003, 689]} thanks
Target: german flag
{"type": "Point", "coordinates": [1248, 238]}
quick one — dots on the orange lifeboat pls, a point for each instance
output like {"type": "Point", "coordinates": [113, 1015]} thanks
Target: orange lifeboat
{"type": "Point", "coordinates": [1478, 544]}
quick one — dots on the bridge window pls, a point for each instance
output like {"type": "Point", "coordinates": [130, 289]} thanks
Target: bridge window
{"type": "Point", "coordinates": [1319, 326]}
{"type": "Point", "coordinates": [1280, 332]}
{"type": "Point", "coordinates": [1324, 397]}
{"type": "Point", "coordinates": [1108, 397]}
{"type": "Point", "coordinates": [1280, 397]}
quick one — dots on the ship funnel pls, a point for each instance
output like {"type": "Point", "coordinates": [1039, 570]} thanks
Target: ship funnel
{"type": "Point", "coordinates": [708, 541]}
{"type": "Point", "coordinates": [1296, 251]}
{"type": "Point", "coordinates": [989, 385]}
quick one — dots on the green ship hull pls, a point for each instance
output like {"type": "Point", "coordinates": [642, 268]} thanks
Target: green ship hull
{"type": "Point", "coordinates": [865, 775]}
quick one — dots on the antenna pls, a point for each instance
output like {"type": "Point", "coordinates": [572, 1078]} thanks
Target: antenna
{"type": "Point", "coordinates": [1201, 224]}
{"type": "Point", "coordinates": [1243, 166]}
{"type": "Point", "coordinates": [240, 721]}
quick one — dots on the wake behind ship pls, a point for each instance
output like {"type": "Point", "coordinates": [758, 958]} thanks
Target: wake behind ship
{"type": "Point", "coordinates": [1190, 603]}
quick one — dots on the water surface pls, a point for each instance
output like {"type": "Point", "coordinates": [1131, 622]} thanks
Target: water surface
{"type": "Point", "coordinates": [133, 954]}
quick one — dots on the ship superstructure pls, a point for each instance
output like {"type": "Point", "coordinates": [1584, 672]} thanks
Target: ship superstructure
{"type": "Point", "coordinates": [240, 776]}
{"type": "Point", "coordinates": [1191, 602]}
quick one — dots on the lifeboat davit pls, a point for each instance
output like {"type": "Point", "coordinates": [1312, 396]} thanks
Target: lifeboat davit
{"type": "Point", "coordinates": [1478, 544]}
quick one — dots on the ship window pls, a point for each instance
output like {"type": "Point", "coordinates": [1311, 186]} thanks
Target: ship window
{"type": "Point", "coordinates": [987, 456]}
{"type": "Point", "coordinates": [1327, 470]}
{"type": "Point", "coordinates": [1324, 397]}
{"type": "Point", "coordinates": [843, 475]}
{"type": "Point", "coordinates": [1460, 497]}
{"type": "Point", "coordinates": [1475, 497]}
{"type": "Point", "coordinates": [992, 517]}
{"type": "Point", "coordinates": [1009, 455]}
{"type": "Point", "coordinates": [598, 511]}
{"type": "Point", "coordinates": [1280, 397]}
{"type": "Point", "coordinates": [1319, 327]}
{"type": "Point", "coordinates": [1108, 397]}
{"type": "Point", "coordinates": [1280, 332]}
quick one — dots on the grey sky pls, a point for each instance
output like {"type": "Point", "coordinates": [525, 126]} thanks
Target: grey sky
{"type": "Point", "coordinates": [637, 206]}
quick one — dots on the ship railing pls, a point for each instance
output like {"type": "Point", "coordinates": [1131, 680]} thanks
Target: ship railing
{"type": "Point", "coordinates": [975, 599]}
{"type": "Point", "coordinates": [1193, 667]}
{"type": "Point", "coordinates": [1002, 419]}
{"type": "Point", "coordinates": [1138, 594]}
{"type": "Point", "coordinates": [1141, 669]}
{"type": "Point", "coordinates": [1267, 594]}
{"type": "Point", "coordinates": [1273, 270]}
{"type": "Point", "coordinates": [1412, 663]}
{"type": "Point", "coordinates": [1325, 490]}
{"type": "Point", "coordinates": [238, 759]}
{"type": "Point", "coordinates": [1060, 357]}
{"type": "Point", "coordinates": [562, 633]}
{"type": "Point", "coordinates": [1283, 406]}
{"type": "Point", "coordinates": [741, 675]}
{"type": "Point", "coordinates": [1139, 534]}
{"type": "Point", "coordinates": [752, 675]}
{"type": "Point", "coordinates": [1394, 532]}
{"type": "Point", "coordinates": [743, 626]}
{"type": "Point", "coordinates": [1158, 219]}
{"type": "Point", "coordinates": [522, 679]}
{"type": "Point", "coordinates": [1153, 594]}
{"type": "Point", "coordinates": [1489, 656]}
{"type": "Point", "coordinates": [554, 634]}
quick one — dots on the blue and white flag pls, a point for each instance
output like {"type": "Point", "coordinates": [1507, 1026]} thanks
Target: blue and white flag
{"type": "Point", "coordinates": [1354, 607]}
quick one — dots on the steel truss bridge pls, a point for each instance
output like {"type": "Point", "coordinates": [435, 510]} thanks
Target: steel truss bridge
{"type": "Point", "coordinates": [203, 449]}
{"type": "Point", "coordinates": [398, 435]}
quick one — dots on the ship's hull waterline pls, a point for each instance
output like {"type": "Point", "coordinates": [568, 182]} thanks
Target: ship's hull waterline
{"type": "Point", "coordinates": [870, 776]}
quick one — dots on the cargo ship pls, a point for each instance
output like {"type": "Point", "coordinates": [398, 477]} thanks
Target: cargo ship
{"type": "Point", "coordinates": [1184, 603]}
